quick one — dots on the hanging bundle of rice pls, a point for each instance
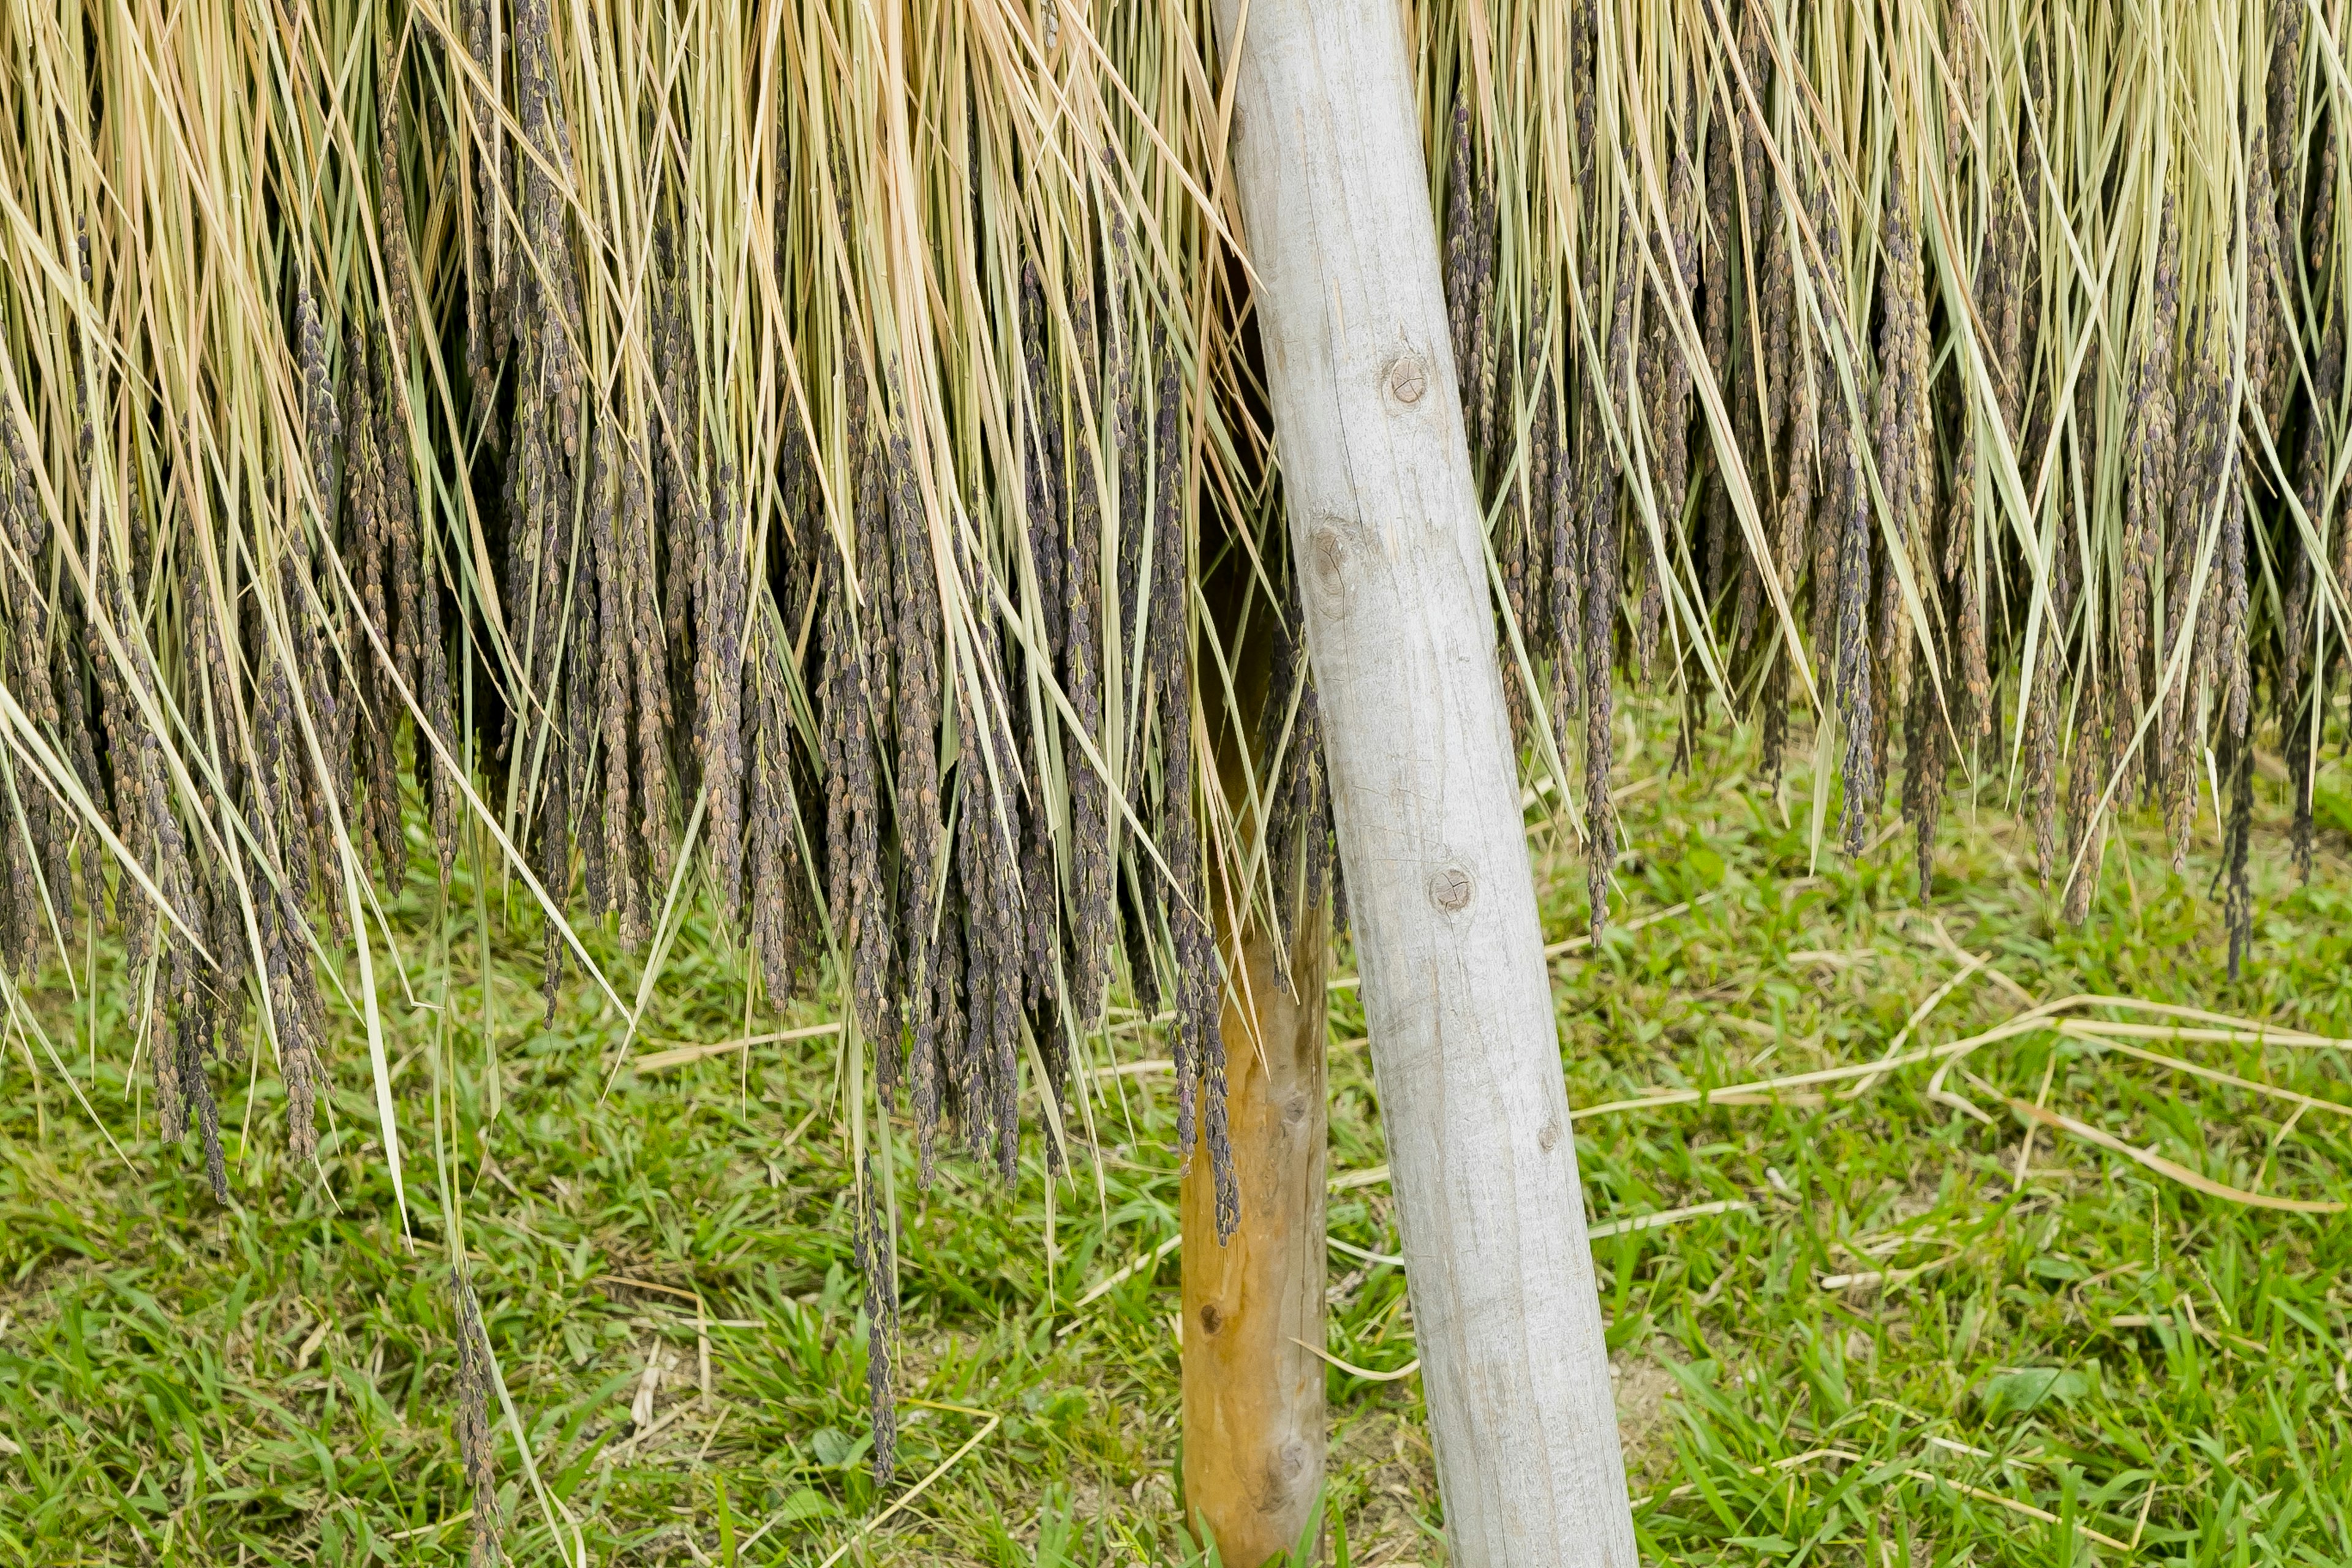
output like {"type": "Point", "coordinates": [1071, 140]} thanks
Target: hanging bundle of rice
{"type": "Point", "coordinates": [1913, 368]}
{"type": "Point", "coordinates": [758, 455]}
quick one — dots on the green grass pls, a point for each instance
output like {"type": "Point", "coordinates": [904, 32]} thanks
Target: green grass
{"type": "Point", "coordinates": [270, 1382]}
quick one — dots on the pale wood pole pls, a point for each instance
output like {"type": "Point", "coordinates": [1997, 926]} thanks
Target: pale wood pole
{"type": "Point", "coordinates": [1385, 523]}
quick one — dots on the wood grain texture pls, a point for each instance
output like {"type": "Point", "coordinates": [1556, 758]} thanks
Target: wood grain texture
{"type": "Point", "coordinates": [1254, 1417]}
{"type": "Point", "coordinates": [1385, 519]}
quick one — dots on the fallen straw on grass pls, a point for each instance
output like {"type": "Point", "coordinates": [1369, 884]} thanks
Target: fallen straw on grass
{"type": "Point", "coordinates": [2105, 1028]}
{"type": "Point", "coordinates": [1577, 943]}
{"type": "Point", "coordinates": [1919, 1015]}
{"type": "Point", "coordinates": [1665, 1217]}
{"type": "Point", "coordinates": [1761, 1089]}
{"type": "Point", "coordinates": [435, 1529]}
{"type": "Point", "coordinates": [678, 1056]}
{"type": "Point", "coordinates": [1883, 1278]}
{"type": "Point", "coordinates": [2014, 1506]}
{"type": "Point", "coordinates": [903, 1498]}
{"type": "Point", "coordinates": [2238, 1026]}
{"type": "Point", "coordinates": [2164, 1167]}
{"type": "Point", "coordinates": [2041, 1015]}
{"type": "Point", "coordinates": [1791, 1463]}
{"type": "Point", "coordinates": [1364, 1253]}
{"type": "Point", "coordinates": [1397, 1374]}
{"type": "Point", "coordinates": [1847, 1456]}
{"type": "Point", "coordinates": [1120, 1277]}
{"type": "Point", "coordinates": [1150, 1259]}
{"type": "Point", "coordinates": [2308, 1103]}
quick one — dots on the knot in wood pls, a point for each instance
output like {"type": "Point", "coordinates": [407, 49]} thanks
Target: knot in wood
{"type": "Point", "coordinates": [1213, 1318]}
{"type": "Point", "coordinates": [1450, 888]}
{"type": "Point", "coordinates": [1408, 379]}
{"type": "Point", "coordinates": [1330, 554]}
{"type": "Point", "coordinates": [1330, 550]}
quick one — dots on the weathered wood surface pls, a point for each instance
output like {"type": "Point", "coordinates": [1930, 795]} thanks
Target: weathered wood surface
{"type": "Point", "coordinates": [1383, 516]}
{"type": "Point", "coordinates": [1254, 1416]}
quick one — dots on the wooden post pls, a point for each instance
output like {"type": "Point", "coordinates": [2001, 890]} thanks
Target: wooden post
{"type": "Point", "coordinates": [1384, 521]}
{"type": "Point", "coordinates": [1253, 1423]}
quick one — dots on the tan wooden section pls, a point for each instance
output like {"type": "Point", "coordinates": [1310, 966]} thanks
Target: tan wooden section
{"type": "Point", "coordinates": [1254, 1418]}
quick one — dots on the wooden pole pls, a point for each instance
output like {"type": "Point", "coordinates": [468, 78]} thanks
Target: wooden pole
{"type": "Point", "coordinates": [1385, 523]}
{"type": "Point", "coordinates": [1253, 1422]}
